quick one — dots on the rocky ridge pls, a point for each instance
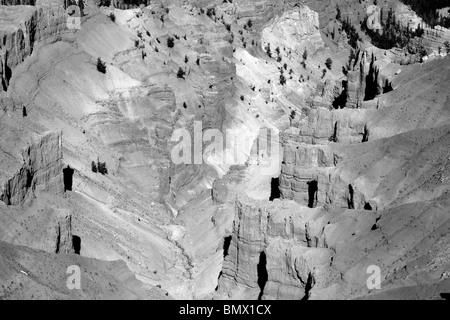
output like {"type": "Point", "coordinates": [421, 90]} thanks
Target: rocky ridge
{"type": "Point", "coordinates": [362, 171]}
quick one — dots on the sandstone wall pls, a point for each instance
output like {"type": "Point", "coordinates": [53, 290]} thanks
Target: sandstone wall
{"type": "Point", "coordinates": [297, 30]}
{"type": "Point", "coordinates": [42, 170]}
{"type": "Point", "coordinates": [21, 28]}
{"type": "Point", "coordinates": [279, 231]}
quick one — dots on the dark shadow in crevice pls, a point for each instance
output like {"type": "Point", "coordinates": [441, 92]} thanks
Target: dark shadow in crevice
{"type": "Point", "coordinates": [387, 87]}
{"type": "Point", "coordinates": [351, 203]}
{"type": "Point", "coordinates": [29, 179]}
{"type": "Point", "coordinates": [76, 240]}
{"type": "Point", "coordinates": [7, 76]}
{"type": "Point", "coordinates": [226, 245]}
{"type": "Point", "coordinates": [308, 286]}
{"type": "Point", "coordinates": [68, 178]}
{"type": "Point", "coordinates": [312, 193]}
{"type": "Point", "coordinates": [365, 134]}
{"type": "Point", "coordinates": [262, 273]}
{"type": "Point", "coordinates": [371, 85]}
{"type": "Point", "coordinates": [334, 137]}
{"type": "Point", "coordinates": [341, 101]}
{"type": "Point", "coordinates": [220, 274]}
{"type": "Point", "coordinates": [367, 206]}
{"type": "Point", "coordinates": [275, 189]}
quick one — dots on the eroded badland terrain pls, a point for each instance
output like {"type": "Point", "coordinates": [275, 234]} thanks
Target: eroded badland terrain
{"type": "Point", "coordinates": [86, 170]}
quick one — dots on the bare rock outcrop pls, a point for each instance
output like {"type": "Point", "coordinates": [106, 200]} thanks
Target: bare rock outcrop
{"type": "Point", "coordinates": [21, 28]}
{"type": "Point", "coordinates": [265, 258]}
{"type": "Point", "coordinates": [324, 126]}
{"type": "Point", "coordinates": [297, 30]}
{"type": "Point", "coordinates": [367, 78]}
{"type": "Point", "coordinates": [42, 170]}
{"type": "Point", "coordinates": [64, 238]}
{"type": "Point", "coordinates": [37, 275]}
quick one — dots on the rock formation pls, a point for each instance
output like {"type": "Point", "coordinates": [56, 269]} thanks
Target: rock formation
{"type": "Point", "coordinates": [359, 176]}
{"type": "Point", "coordinates": [42, 170]}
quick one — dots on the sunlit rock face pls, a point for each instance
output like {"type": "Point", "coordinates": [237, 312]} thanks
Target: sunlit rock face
{"type": "Point", "coordinates": [297, 30]}
{"type": "Point", "coordinates": [21, 27]}
{"type": "Point", "coordinates": [87, 119]}
{"type": "Point", "coordinates": [264, 258]}
{"type": "Point", "coordinates": [42, 170]}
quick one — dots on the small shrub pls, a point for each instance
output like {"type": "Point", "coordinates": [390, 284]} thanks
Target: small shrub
{"type": "Point", "coordinates": [101, 166]}
{"type": "Point", "coordinates": [170, 42]}
{"type": "Point", "coordinates": [269, 53]}
{"type": "Point", "coordinates": [292, 116]}
{"type": "Point", "coordinates": [329, 63]}
{"type": "Point", "coordinates": [94, 166]}
{"type": "Point", "coordinates": [180, 73]}
{"type": "Point", "coordinates": [112, 16]}
{"type": "Point", "coordinates": [211, 12]}
{"type": "Point", "coordinates": [101, 66]}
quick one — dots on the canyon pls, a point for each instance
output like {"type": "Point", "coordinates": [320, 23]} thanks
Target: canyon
{"type": "Point", "coordinates": [359, 177]}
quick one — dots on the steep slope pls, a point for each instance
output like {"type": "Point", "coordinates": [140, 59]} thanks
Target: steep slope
{"type": "Point", "coordinates": [33, 274]}
{"type": "Point", "coordinates": [363, 145]}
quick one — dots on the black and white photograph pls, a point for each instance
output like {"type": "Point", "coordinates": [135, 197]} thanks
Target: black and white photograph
{"type": "Point", "coordinates": [222, 157]}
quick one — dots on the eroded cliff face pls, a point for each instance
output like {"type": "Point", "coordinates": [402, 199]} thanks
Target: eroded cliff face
{"type": "Point", "coordinates": [42, 170]}
{"type": "Point", "coordinates": [283, 250]}
{"type": "Point", "coordinates": [125, 118]}
{"type": "Point", "coordinates": [352, 152]}
{"type": "Point", "coordinates": [349, 167]}
{"type": "Point", "coordinates": [41, 175]}
{"type": "Point", "coordinates": [21, 28]}
{"type": "Point", "coordinates": [297, 30]}
{"type": "Point", "coordinates": [265, 259]}
{"type": "Point", "coordinates": [368, 78]}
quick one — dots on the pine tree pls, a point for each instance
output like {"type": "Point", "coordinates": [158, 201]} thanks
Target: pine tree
{"type": "Point", "coordinates": [329, 63]}
{"type": "Point", "coordinates": [93, 166]}
{"type": "Point", "coordinates": [180, 73]}
{"type": "Point", "coordinates": [101, 66]}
